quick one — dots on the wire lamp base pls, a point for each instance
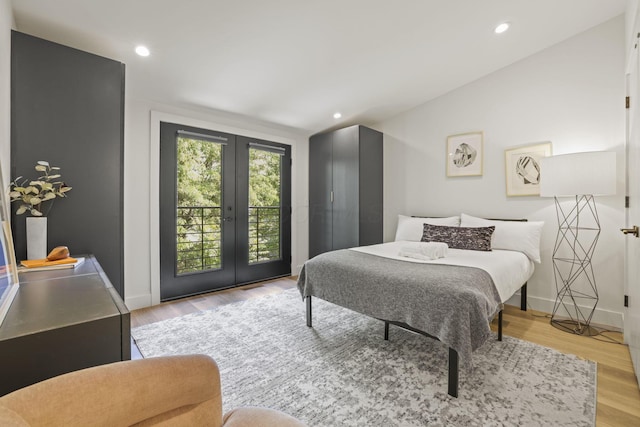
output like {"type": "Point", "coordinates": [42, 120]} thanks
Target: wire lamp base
{"type": "Point", "coordinates": [577, 294]}
{"type": "Point", "coordinates": [574, 327]}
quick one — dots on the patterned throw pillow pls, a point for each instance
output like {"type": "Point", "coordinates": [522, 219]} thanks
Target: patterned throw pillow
{"type": "Point", "coordinates": [471, 238]}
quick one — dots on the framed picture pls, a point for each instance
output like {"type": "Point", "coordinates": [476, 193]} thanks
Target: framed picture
{"type": "Point", "coordinates": [522, 168]}
{"type": "Point", "coordinates": [464, 154]}
{"type": "Point", "coordinates": [8, 265]}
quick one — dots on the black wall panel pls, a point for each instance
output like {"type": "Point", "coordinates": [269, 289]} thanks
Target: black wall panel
{"type": "Point", "coordinates": [67, 107]}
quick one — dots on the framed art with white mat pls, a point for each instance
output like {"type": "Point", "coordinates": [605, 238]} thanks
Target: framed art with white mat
{"type": "Point", "coordinates": [522, 168]}
{"type": "Point", "coordinates": [464, 154]}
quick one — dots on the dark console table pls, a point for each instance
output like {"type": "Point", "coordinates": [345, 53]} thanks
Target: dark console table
{"type": "Point", "coordinates": [61, 321]}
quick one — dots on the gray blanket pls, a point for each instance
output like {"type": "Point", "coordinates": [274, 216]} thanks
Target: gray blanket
{"type": "Point", "coordinates": [453, 303]}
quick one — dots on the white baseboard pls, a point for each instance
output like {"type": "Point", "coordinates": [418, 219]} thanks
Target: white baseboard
{"type": "Point", "coordinates": [601, 317]}
{"type": "Point", "coordinates": [140, 301]}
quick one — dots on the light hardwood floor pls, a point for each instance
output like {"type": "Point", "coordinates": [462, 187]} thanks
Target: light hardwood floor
{"type": "Point", "coordinates": [618, 393]}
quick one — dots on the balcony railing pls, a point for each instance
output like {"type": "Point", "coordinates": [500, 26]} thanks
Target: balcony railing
{"type": "Point", "coordinates": [199, 237]}
{"type": "Point", "coordinates": [264, 233]}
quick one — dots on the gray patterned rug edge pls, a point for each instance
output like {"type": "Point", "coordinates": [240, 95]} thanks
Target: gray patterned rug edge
{"type": "Point", "coordinates": [342, 373]}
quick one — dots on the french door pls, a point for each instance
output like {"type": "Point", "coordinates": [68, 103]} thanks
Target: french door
{"type": "Point", "coordinates": [225, 210]}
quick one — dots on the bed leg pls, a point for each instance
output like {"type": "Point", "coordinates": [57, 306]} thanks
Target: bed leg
{"type": "Point", "coordinates": [386, 330]}
{"type": "Point", "coordinates": [453, 372]}
{"type": "Point", "coordinates": [500, 326]}
{"type": "Point", "coordinates": [308, 311]}
{"type": "Point", "coordinates": [523, 297]}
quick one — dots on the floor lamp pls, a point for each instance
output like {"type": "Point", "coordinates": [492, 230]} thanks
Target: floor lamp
{"type": "Point", "coordinates": [580, 176]}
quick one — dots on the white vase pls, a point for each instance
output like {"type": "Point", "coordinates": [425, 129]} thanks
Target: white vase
{"type": "Point", "coordinates": [36, 237]}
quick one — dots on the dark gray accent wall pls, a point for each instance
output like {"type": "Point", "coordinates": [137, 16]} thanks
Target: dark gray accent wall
{"type": "Point", "coordinates": [67, 107]}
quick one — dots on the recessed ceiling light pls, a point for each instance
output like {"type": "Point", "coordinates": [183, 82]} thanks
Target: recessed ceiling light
{"type": "Point", "coordinates": [337, 115]}
{"type": "Point", "coordinates": [142, 50]}
{"type": "Point", "coordinates": [502, 28]}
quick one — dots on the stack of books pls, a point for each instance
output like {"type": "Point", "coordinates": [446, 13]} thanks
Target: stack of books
{"type": "Point", "coordinates": [44, 264]}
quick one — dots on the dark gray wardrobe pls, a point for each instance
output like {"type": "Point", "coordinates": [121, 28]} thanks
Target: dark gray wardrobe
{"type": "Point", "coordinates": [345, 189]}
{"type": "Point", "coordinates": [67, 107]}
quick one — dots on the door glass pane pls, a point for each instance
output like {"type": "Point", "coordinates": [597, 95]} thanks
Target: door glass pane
{"type": "Point", "coordinates": [199, 219]}
{"type": "Point", "coordinates": [264, 206]}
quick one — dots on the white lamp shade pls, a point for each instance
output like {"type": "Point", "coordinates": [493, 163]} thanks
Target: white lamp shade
{"type": "Point", "coordinates": [591, 173]}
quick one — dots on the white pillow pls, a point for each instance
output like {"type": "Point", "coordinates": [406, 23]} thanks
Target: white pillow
{"type": "Point", "coordinates": [518, 236]}
{"type": "Point", "coordinates": [410, 228]}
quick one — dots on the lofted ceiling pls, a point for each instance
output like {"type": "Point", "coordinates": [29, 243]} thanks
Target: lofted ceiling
{"type": "Point", "coordinates": [295, 62]}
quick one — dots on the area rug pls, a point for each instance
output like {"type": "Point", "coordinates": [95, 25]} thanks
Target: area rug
{"type": "Point", "coordinates": [342, 372]}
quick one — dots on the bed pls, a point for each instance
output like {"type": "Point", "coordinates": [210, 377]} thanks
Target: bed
{"type": "Point", "coordinates": [452, 299]}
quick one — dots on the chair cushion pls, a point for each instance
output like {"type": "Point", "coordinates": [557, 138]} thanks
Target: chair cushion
{"type": "Point", "coordinates": [8, 418]}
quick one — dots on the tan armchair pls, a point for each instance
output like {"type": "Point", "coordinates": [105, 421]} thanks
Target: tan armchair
{"type": "Point", "coordinates": [167, 391]}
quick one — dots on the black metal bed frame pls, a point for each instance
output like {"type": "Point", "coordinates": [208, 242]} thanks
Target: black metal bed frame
{"type": "Point", "coordinates": [453, 354]}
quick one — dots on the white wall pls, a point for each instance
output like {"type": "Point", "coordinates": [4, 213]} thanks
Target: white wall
{"type": "Point", "coordinates": [571, 94]}
{"type": "Point", "coordinates": [141, 187]}
{"type": "Point", "coordinates": [630, 16]}
{"type": "Point", "coordinates": [6, 22]}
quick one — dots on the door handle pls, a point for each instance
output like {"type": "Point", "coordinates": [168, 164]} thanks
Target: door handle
{"type": "Point", "coordinates": [228, 218]}
{"type": "Point", "coordinates": [635, 230]}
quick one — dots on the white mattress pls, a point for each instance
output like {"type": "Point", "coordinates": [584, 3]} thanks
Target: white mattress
{"type": "Point", "coordinates": [508, 269]}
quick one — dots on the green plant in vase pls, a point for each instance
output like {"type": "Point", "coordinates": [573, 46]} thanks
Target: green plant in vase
{"type": "Point", "coordinates": [31, 194]}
